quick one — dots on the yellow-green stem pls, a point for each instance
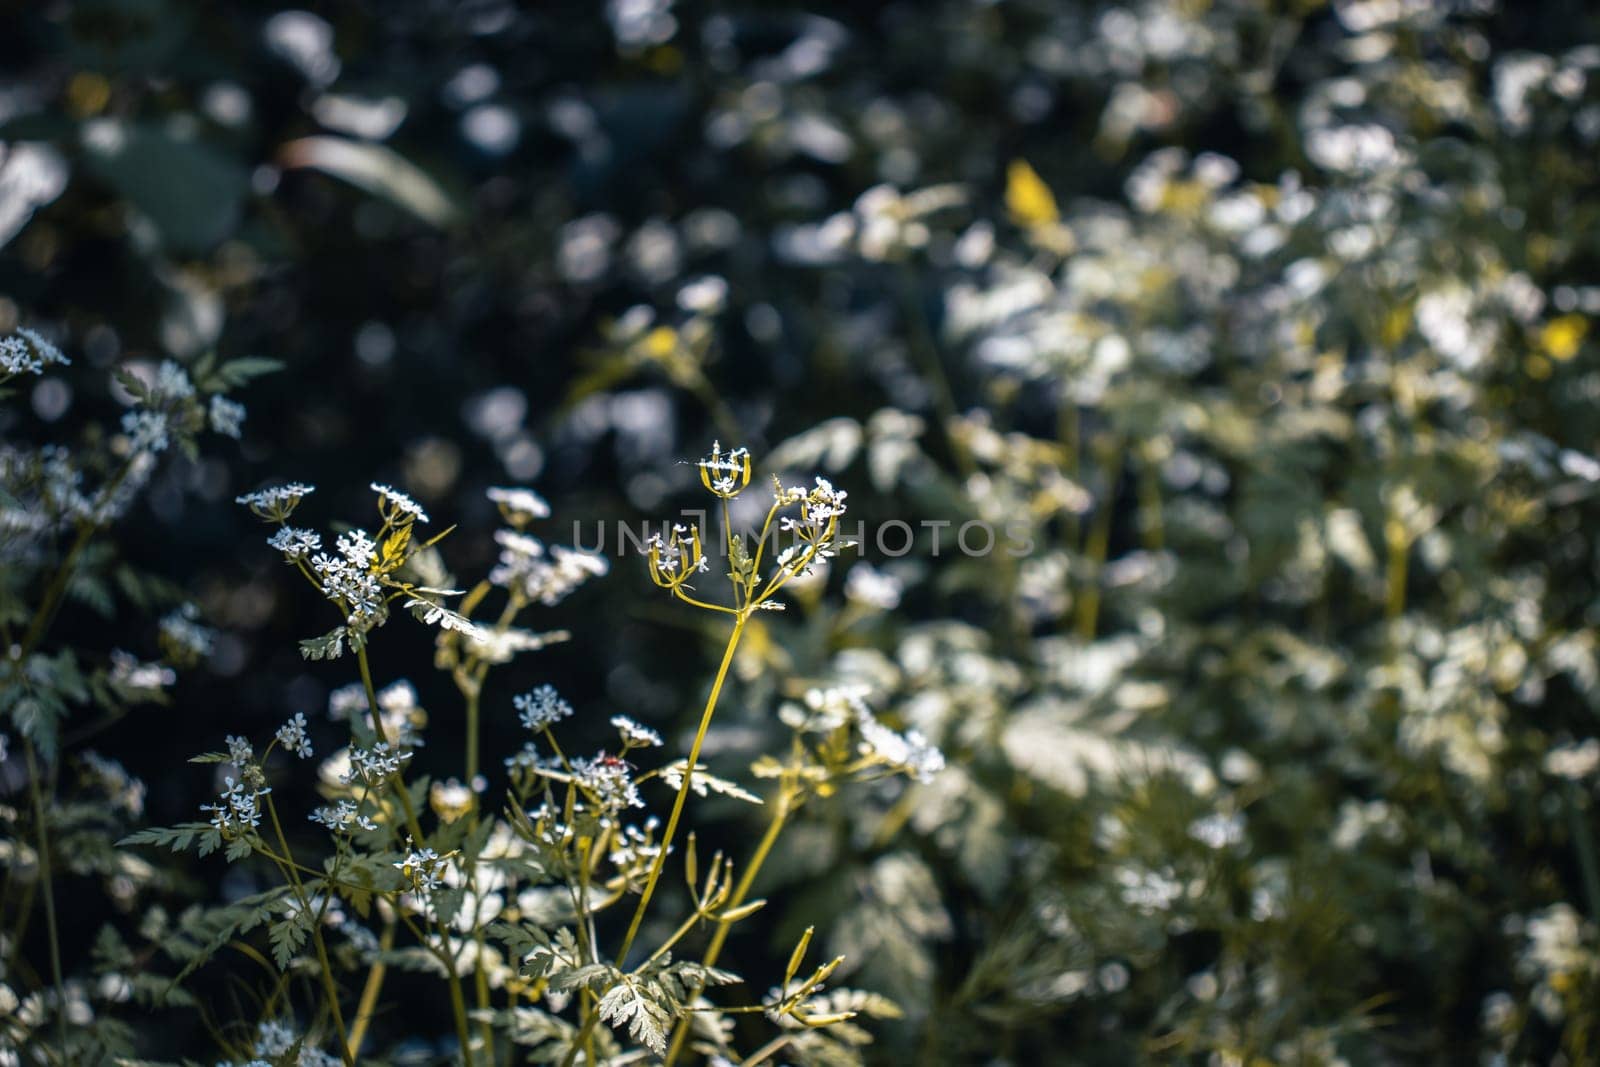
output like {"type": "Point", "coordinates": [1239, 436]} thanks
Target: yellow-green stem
{"type": "Point", "coordinates": [683, 791]}
{"type": "Point", "coordinates": [328, 987]}
{"type": "Point", "coordinates": [1399, 557]}
{"type": "Point", "coordinates": [747, 880]}
{"type": "Point", "coordinates": [472, 692]}
{"type": "Point", "coordinates": [672, 824]}
{"type": "Point", "coordinates": [763, 1053]}
{"type": "Point", "coordinates": [1095, 551]}
{"type": "Point", "coordinates": [1151, 523]}
{"type": "Point", "coordinates": [369, 991]}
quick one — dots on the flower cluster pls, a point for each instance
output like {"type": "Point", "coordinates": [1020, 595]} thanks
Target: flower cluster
{"type": "Point", "coordinates": [608, 780]}
{"type": "Point", "coordinates": [277, 503]}
{"type": "Point", "coordinates": [827, 710]}
{"type": "Point", "coordinates": [677, 557]}
{"type": "Point", "coordinates": [396, 507]}
{"type": "Point", "coordinates": [539, 708]}
{"type": "Point", "coordinates": [519, 506]}
{"type": "Point", "coordinates": [725, 476]}
{"type": "Point", "coordinates": [422, 868]}
{"type": "Point", "coordinates": [340, 817]}
{"type": "Point", "coordinates": [296, 544]}
{"type": "Point", "coordinates": [292, 736]}
{"type": "Point", "coordinates": [635, 735]}
{"type": "Point", "coordinates": [26, 352]}
{"type": "Point", "coordinates": [374, 765]}
{"type": "Point", "coordinates": [540, 574]}
{"type": "Point", "coordinates": [237, 810]}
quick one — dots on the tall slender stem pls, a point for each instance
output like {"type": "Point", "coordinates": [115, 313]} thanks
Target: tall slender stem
{"type": "Point", "coordinates": [1395, 572]}
{"type": "Point", "coordinates": [719, 937]}
{"type": "Point", "coordinates": [683, 791]}
{"type": "Point", "coordinates": [926, 350]}
{"type": "Point", "coordinates": [458, 1004]}
{"type": "Point", "coordinates": [1095, 550]}
{"type": "Point", "coordinates": [672, 825]}
{"type": "Point", "coordinates": [330, 990]}
{"type": "Point", "coordinates": [369, 991]}
{"type": "Point", "coordinates": [43, 838]}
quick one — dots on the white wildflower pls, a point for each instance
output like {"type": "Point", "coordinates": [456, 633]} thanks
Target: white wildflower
{"type": "Point", "coordinates": [146, 430]}
{"type": "Point", "coordinates": [867, 585]}
{"type": "Point", "coordinates": [1218, 831]}
{"type": "Point", "coordinates": [450, 799]}
{"type": "Point", "coordinates": [609, 780]}
{"type": "Point", "coordinates": [1575, 762]}
{"type": "Point", "coordinates": [375, 764]}
{"type": "Point", "coordinates": [128, 673]}
{"type": "Point", "coordinates": [397, 506]}
{"type": "Point", "coordinates": [240, 752]}
{"type": "Point", "coordinates": [226, 416]}
{"type": "Point", "coordinates": [171, 383]}
{"type": "Point", "coordinates": [183, 638]}
{"type": "Point", "coordinates": [275, 504]}
{"type": "Point", "coordinates": [541, 707]}
{"type": "Point", "coordinates": [340, 817]}
{"type": "Point", "coordinates": [292, 736]}
{"type": "Point", "coordinates": [726, 475]}
{"type": "Point", "coordinates": [635, 735]}
{"type": "Point", "coordinates": [532, 572]}
{"type": "Point", "coordinates": [27, 352]}
{"type": "Point", "coordinates": [237, 808]}
{"type": "Point", "coordinates": [122, 789]}
{"type": "Point", "coordinates": [519, 506]}
{"type": "Point", "coordinates": [421, 868]}
{"type": "Point", "coordinates": [295, 543]}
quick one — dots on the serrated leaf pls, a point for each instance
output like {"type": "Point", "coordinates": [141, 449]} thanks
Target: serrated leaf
{"type": "Point", "coordinates": [287, 937]}
{"type": "Point", "coordinates": [630, 1003]}
{"type": "Point", "coordinates": [702, 781]}
{"type": "Point", "coordinates": [329, 646]}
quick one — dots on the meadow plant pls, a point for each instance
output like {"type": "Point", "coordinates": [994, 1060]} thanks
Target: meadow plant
{"type": "Point", "coordinates": [510, 904]}
{"type": "Point", "coordinates": [58, 504]}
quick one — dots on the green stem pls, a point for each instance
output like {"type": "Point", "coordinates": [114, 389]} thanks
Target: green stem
{"type": "Point", "coordinates": [1098, 544]}
{"type": "Point", "coordinates": [1151, 524]}
{"type": "Point", "coordinates": [683, 791]}
{"type": "Point", "coordinates": [395, 780]}
{"type": "Point", "coordinates": [45, 877]}
{"type": "Point", "coordinates": [328, 986]}
{"type": "Point", "coordinates": [672, 824]}
{"type": "Point", "coordinates": [369, 991]}
{"type": "Point", "coordinates": [1584, 843]}
{"type": "Point", "coordinates": [747, 880]}
{"type": "Point", "coordinates": [926, 350]}
{"type": "Point", "coordinates": [1395, 574]}
{"type": "Point", "coordinates": [472, 746]}
{"type": "Point", "coordinates": [458, 1004]}
{"type": "Point", "coordinates": [766, 1051]}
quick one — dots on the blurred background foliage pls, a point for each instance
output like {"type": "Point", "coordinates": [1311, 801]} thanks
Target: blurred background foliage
{"type": "Point", "coordinates": [1269, 321]}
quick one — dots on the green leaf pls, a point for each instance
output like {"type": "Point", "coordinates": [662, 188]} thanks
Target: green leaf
{"type": "Point", "coordinates": [377, 170]}
{"type": "Point", "coordinates": [635, 1004]}
{"type": "Point", "coordinates": [287, 937]}
{"type": "Point", "coordinates": [237, 372]}
{"type": "Point", "coordinates": [329, 646]}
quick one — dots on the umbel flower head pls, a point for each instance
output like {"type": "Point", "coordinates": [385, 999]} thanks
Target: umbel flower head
{"type": "Point", "coordinates": [814, 533]}
{"type": "Point", "coordinates": [677, 558]}
{"type": "Point", "coordinates": [364, 572]}
{"type": "Point", "coordinates": [726, 475]}
{"type": "Point", "coordinates": [277, 503]}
